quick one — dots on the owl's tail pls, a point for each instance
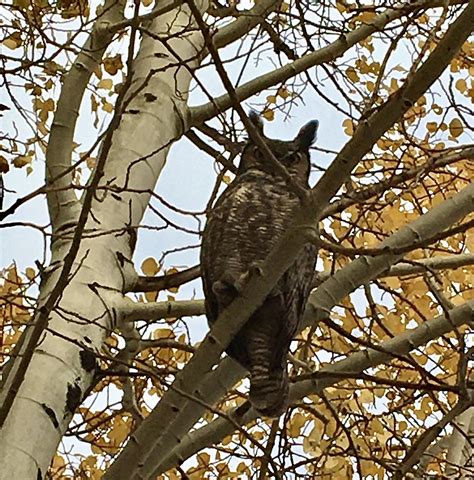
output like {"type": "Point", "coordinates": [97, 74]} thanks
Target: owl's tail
{"type": "Point", "coordinates": [269, 392]}
{"type": "Point", "coordinates": [268, 380]}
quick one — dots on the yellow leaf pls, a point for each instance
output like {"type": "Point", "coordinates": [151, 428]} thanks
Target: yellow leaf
{"type": "Point", "coordinates": [111, 341]}
{"type": "Point", "coordinates": [362, 65]}
{"type": "Point", "coordinates": [421, 100]}
{"type": "Point", "coordinates": [4, 167]}
{"type": "Point", "coordinates": [348, 127]}
{"type": "Point", "coordinates": [90, 162]}
{"type": "Point", "coordinates": [58, 463]}
{"type": "Point", "coordinates": [43, 128]}
{"type": "Point", "coordinates": [375, 68]}
{"type": "Point", "coordinates": [392, 282]}
{"type": "Point", "coordinates": [393, 85]}
{"type": "Point", "coordinates": [108, 107]}
{"type": "Point", "coordinates": [30, 273]}
{"type": "Point", "coordinates": [105, 83]}
{"type": "Point", "coordinates": [283, 92]}
{"type": "Point", "coordinates": [21, 161]}
{"type": "Point", "coordinates": [431, 127]}
{"type": "Point", "coordinates": [352, 75]}
{"type": "Point", "coordinates": [455, 127]}
{"type": "Point", "coordinates": [163, 333]}
{"type": "Point", "coordinates": [269, 114]}
{"type": "Point", "coordinates": [150, 267]}
{"type": "Point", "coordinates": [296, 422]}
{"type": "Point", "coordinates": [94, 104]}
{"type": "Point", "coordinates": [341, 6]}
{"type": "Point", "coordinates": [13, 41]}
{"type": "Point", "coordinates": [151, 296]}
{"type": "Point", "coordinates": [271, 99]}
{"type": "Point", "coordinates": [48, 105]}
{"type": "Point", "coordinates": [366, 17]}
{"type": "Point", "coordinates": [113, 64]}
{"type": "Point", "coordinates": [203, 459]}
{"type": "Point", "coordinates": [461, 85]}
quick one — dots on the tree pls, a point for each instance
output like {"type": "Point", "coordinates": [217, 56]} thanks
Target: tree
{"type": "Point", "coordinates": [381, 372]}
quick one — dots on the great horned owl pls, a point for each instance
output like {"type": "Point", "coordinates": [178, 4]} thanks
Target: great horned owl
{"type": "Point", "coordinates": [245, 223]}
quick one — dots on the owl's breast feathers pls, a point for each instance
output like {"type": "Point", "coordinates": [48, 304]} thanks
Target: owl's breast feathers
{"type": "Point", "coordinates": [245, 224]}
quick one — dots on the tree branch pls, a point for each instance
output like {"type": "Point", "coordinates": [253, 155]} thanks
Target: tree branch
{"type": "Point", "coordinates": [245, 23]}
{"type": "Point", "coordinates": [164, 282]}
{"type": "Point", "coordinates": [62, 202]}
{"type": "Point", "coordinates": [326, 54]}
{"type": "Point", "coordinates": [441, 262]}
{"type": "Point", "coordinates": [155, 310]}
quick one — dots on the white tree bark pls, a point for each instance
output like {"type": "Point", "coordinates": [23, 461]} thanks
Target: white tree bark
{"type": "Point", "coordinates": [62, 366]}
{"type": "Point", "coordinates": [459, 446]}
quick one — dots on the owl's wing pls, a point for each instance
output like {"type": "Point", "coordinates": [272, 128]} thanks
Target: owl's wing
{"type": "Point", "coordinates": [295, 286]}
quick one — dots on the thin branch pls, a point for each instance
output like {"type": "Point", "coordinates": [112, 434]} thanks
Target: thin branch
{"type": "Point", "coordinates": [113, 28]}
{"type": "Point", "coordinates": [245, 23]}
{"type": "Point", "coordinates": [155, 310]}
{"type": "Point", "coordinates": [165, 282]}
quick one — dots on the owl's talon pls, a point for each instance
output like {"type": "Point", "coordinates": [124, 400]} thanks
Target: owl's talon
{"type": "Point", "coordinates": [255, 270]}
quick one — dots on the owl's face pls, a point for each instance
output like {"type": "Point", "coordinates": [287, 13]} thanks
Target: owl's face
{"type": "Point", "coordinates": [293, 154]}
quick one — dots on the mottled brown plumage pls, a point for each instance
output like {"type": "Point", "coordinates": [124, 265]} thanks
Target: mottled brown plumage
{"type": "Point", "coordinates": [245, 223]}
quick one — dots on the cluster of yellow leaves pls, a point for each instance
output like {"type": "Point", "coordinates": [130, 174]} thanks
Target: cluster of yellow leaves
{"type": "Point", "coordinates": [13, 310]}
{"type": "Point", "coordinates": [150, 267]}
{"type": "Point", "coordinates": [111, 65]}
{"type": "Point", "coordinates": [105, 431]}
{"type": "Point", "coordinates": [74, 8]}
{"type": "Point", "coordinates": [44, 108]}
{"type": "Point", "coordinates": [269, 111]}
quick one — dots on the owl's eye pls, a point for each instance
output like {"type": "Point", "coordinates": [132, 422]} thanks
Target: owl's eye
{"type": "Point", "coordinates": [293, 156]}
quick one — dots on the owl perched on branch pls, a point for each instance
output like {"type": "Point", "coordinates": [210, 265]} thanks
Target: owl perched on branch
{"type": "Point", "coordinates": [245, 224]}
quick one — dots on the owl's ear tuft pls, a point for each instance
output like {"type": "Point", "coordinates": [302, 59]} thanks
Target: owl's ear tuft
{"type": "Point", "coordinates": [256, 119]}
{"type": "Point", "coordinates": [307, 135]}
